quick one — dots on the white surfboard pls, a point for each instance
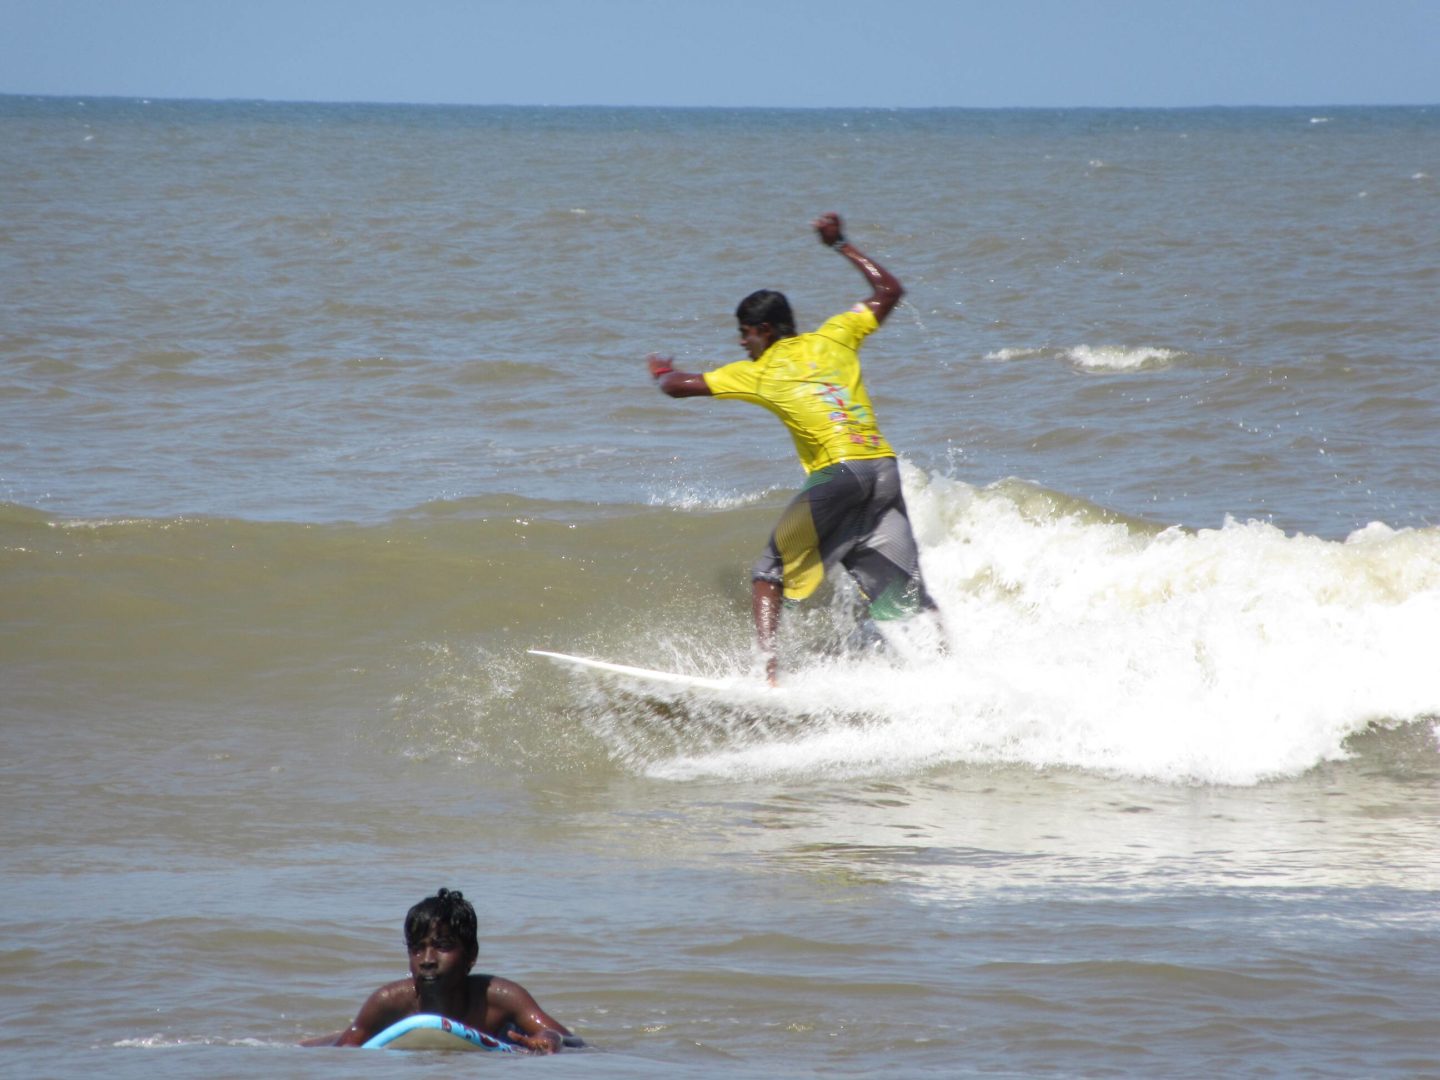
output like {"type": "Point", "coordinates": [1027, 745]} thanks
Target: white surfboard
{"type": "Point", "coordinates": [426, 1031]}
{"type": "Point", "coordinates": [649, 675]}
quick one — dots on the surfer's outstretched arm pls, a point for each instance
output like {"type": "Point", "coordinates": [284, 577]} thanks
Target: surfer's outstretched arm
{"type": "Point", "coordinates": [886, 289]}
{"type": "Point", "coordinates": [676, 383]}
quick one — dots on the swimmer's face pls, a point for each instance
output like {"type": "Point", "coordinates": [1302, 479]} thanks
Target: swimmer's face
{"type": "Point", "coordinates": [438, 957]}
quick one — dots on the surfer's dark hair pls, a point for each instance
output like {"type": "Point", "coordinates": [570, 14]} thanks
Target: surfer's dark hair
{"type": "Point", "coordinates": [446, 910]}
{"type": "Point", "coordinates": [767, 306]}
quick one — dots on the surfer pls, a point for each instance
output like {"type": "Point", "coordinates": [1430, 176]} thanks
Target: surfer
{"type": "Point", "coordinates": [851, 509]}
{"type": "Point", "coordinates": [440, 934]}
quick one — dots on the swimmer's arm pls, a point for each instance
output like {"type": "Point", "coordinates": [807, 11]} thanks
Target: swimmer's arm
{"type": "Point", "coordinates": [676, 383]}
{"type": "Point", "coordinates": [323, 1040]}
{"type": "Point", "coordinates": [885, 287]}
{"type": "Point", "coordinates": [528, 1024]}
{"type": "Point", "coordinates": [381, 1009]}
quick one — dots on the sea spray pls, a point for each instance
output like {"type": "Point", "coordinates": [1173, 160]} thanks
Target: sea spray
{"type": "Point", "coordinates": [1079, 640]}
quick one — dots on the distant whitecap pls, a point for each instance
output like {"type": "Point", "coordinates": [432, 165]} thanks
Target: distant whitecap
{"type": "Point", "coordinates": [1119, 357]}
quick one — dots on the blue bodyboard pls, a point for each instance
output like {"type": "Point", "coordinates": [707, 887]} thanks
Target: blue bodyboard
{"type": "Point", "coordinates": [426, 1031]}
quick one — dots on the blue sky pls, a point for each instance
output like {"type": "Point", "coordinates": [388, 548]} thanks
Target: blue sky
{"type": "Point", "coordinates": [798, 53]}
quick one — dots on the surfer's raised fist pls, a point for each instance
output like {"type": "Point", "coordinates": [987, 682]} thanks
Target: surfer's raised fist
{"type": "Point", "coordinates": [830, 229]}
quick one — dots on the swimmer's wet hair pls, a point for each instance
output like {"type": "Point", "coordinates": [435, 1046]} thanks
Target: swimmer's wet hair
{"type": "Point", "coordinates": [446, 910]}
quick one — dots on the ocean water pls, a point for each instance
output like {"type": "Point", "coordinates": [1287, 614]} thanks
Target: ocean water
{"type": "Point", "coordinates": [315, 418]}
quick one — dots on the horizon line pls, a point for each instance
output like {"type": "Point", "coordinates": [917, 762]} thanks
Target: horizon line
{"type": "Point", "coordinates": [152, 98]}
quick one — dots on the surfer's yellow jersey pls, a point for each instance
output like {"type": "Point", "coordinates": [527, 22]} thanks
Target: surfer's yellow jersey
{"type": "Point", "coordinates": [812, 382]}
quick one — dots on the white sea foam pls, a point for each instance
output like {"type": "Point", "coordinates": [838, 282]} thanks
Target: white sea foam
{"type": "Point", "coordinates": [1014, 354]}
{"type": "Point", "coordinates": [165, 1042]}
{"type": "Point", "coordinates": [1096, 357]}
{"type": "Point", "coordinates": [1119, 358]}
{"type": "Point", "coordinates": [701, 497]}
{"type": "Point", "coordinates": [1229, 655]}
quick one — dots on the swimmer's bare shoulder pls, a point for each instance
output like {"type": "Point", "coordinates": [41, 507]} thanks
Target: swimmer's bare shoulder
{"type": "Point", "coordinates": [388, 1005]}
{"type": "Point", "coordinates": [511, 1012]}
